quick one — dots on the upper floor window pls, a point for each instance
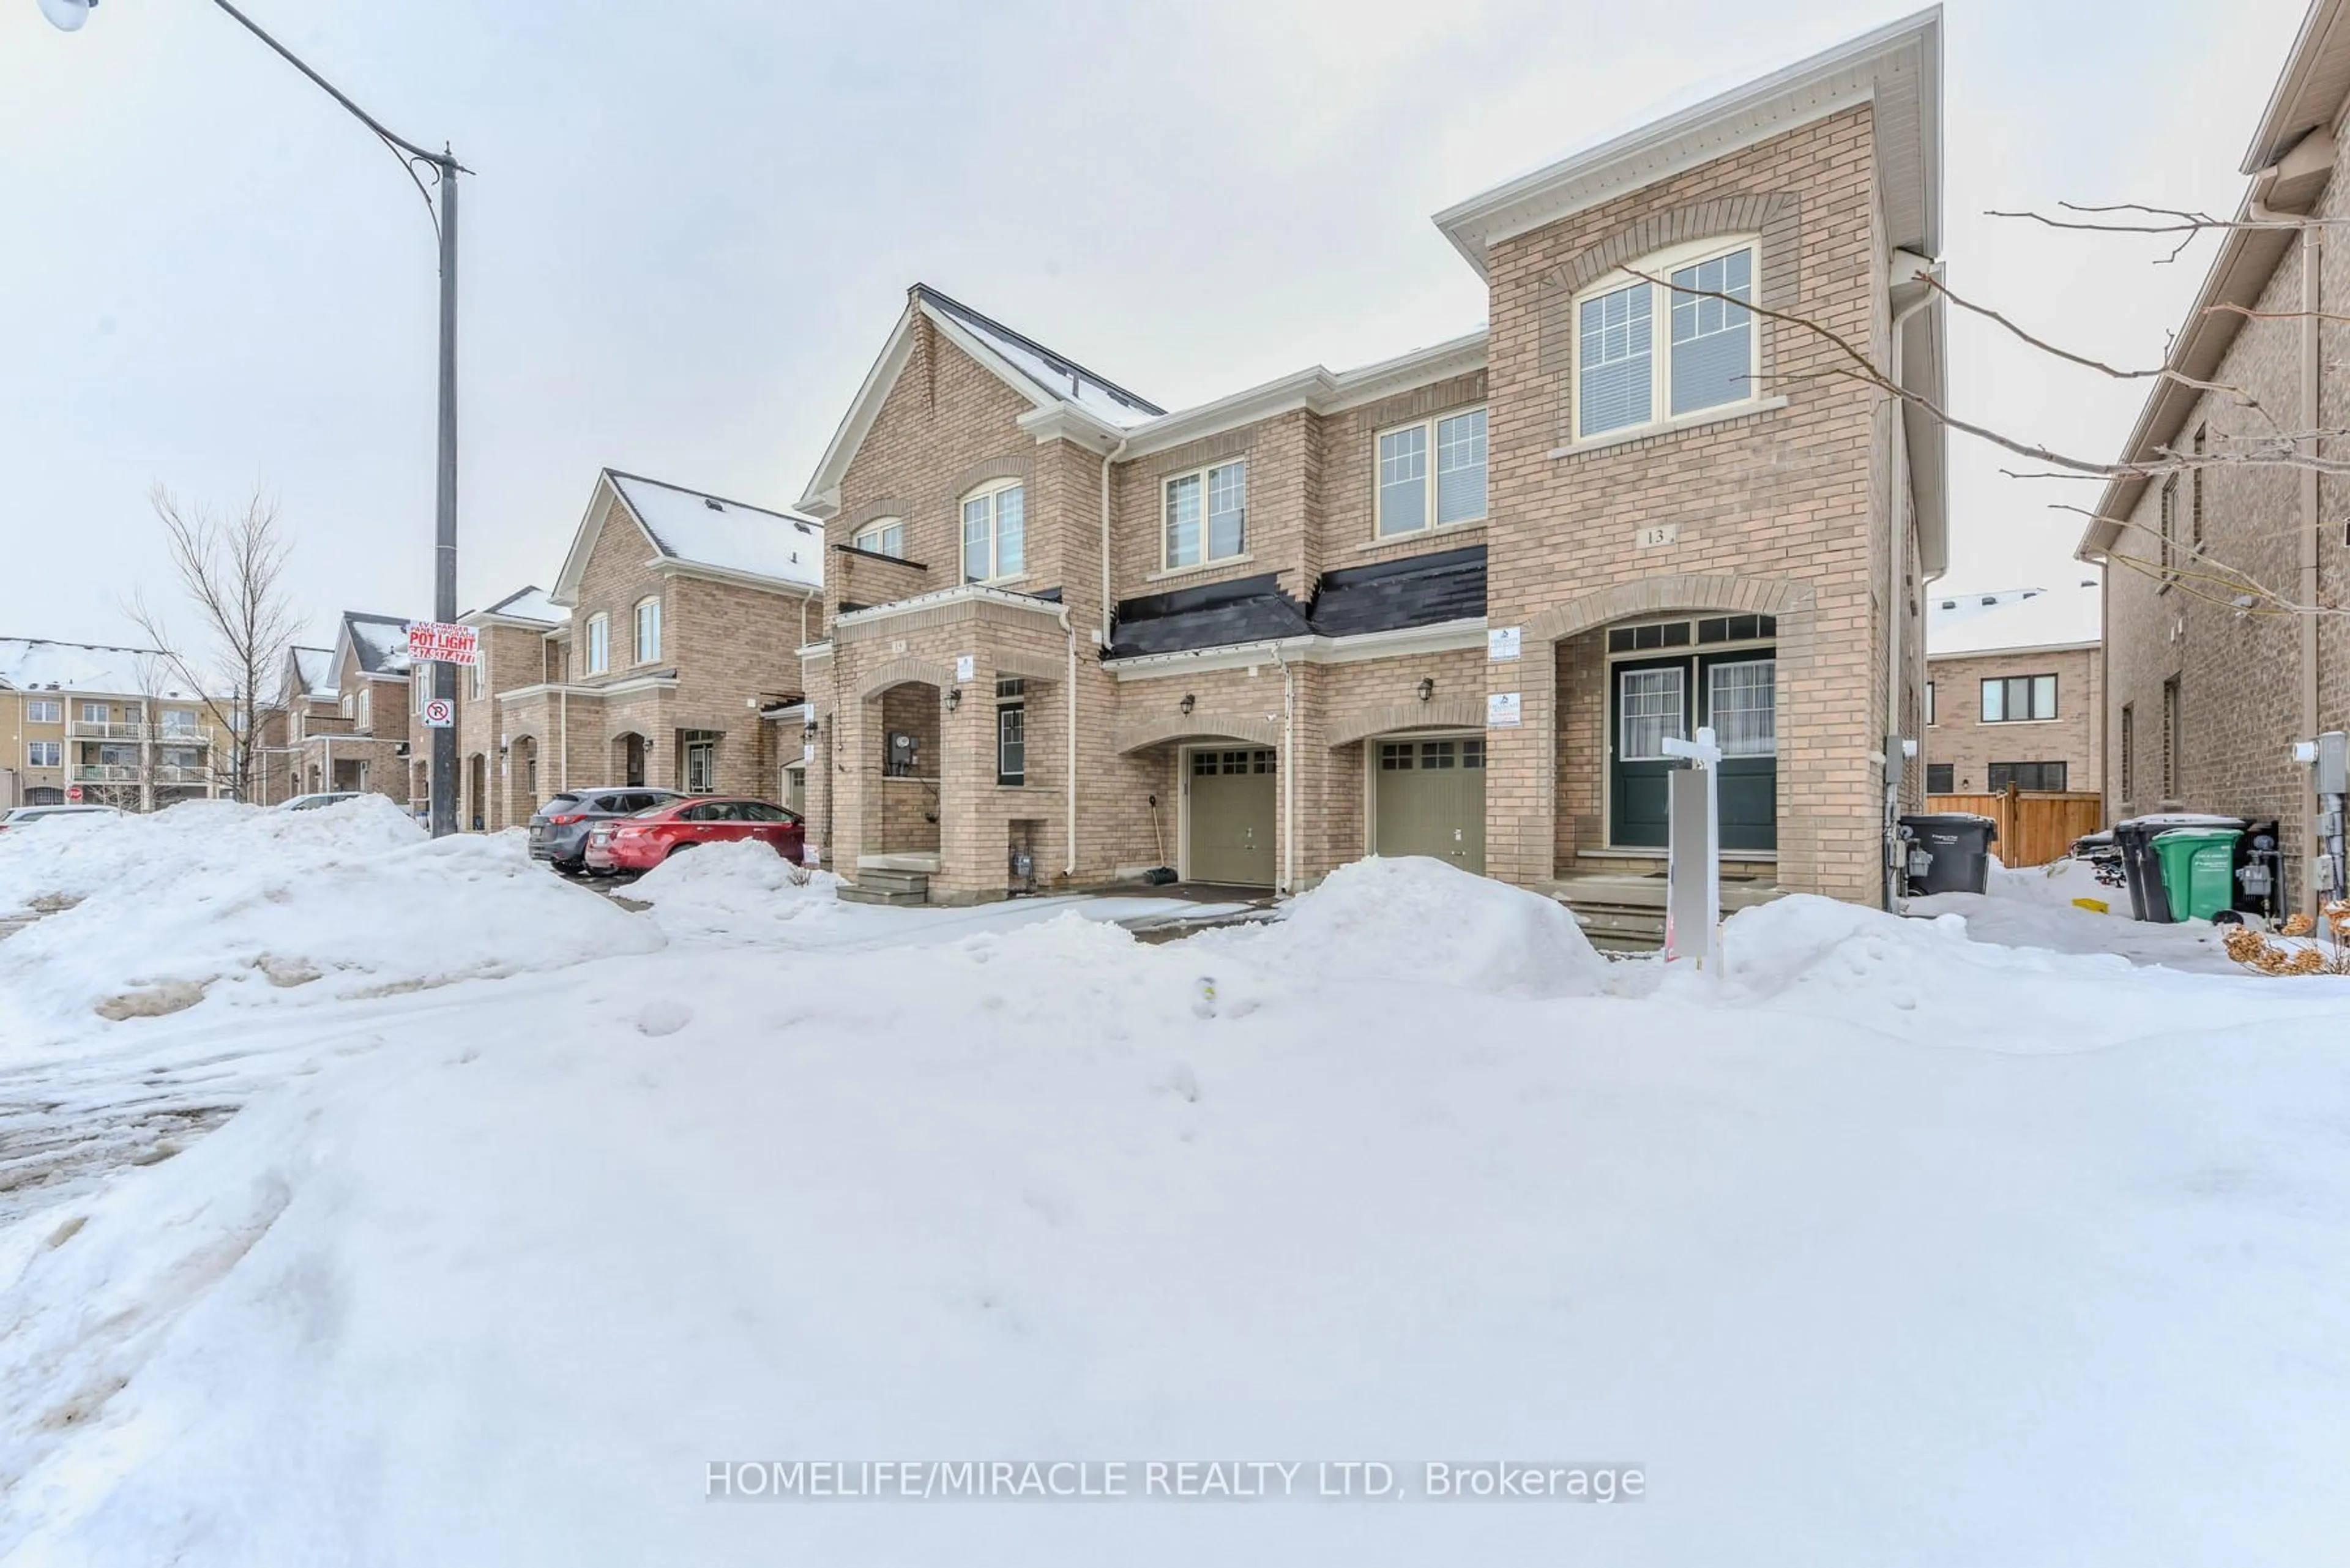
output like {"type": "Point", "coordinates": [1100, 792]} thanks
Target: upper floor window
{"type": "Point", "coordinates": [1929, 709]}
{"type": "Point", "coordinates": [883, 537]}
{"type": "Point", "coordinates": [93, 712]}
{"type": "Point", "coordinates": [349, 706]}
{"type": "Point", "coordinates": [367, 708]}
{"type": "Point", "coordinates": [1644, 353]}
{"type": "Point", "coordinates": [648, 629]}
{"type": "Point", "coordinates": [418, 684]}
{"type": "Point", "coordinates": [43, 711]}
{"type": "Point", "coordinates": [1204, 515]}
{"type": "Point", "coordinates": [478, 676]}
{"type": "Point", "coordinates": [599, 643]}
{"type": "Point", "coordinates": [2013, 699]}
{"type": "Point", "coordinates": [995, 532]}
{"type": "Point", "coordinates": [1431, 472]}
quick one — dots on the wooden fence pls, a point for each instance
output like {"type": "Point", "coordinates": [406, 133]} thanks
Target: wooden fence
{"type": "Point", "coordinates": [2033, 827]}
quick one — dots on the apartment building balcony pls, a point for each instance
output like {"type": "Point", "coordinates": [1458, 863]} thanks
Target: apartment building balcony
{"type": "Point", "coordinates": [184, 735]}
{"type": "Point", "coordinates": [93, 730]}
{"type": "Point", "coordinates": [183, 776]}
{"type": "Point", "coordinates": [107, 773]}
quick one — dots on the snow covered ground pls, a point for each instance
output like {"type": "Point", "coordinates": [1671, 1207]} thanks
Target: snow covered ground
{"type": "Point", "coordinates": [1894, 1244]}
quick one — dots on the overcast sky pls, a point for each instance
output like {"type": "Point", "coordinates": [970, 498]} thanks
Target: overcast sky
{"type": "Point", "coordinates": [693, 224]}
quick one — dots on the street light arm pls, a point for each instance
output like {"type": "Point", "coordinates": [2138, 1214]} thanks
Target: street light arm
{"type": "Point", "coordinates": [400, 143]}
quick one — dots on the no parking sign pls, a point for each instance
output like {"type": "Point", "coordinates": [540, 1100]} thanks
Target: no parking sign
{"type": "Point", "coordinates": [439, 713]}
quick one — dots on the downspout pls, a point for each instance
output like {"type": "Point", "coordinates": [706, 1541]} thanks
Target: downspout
{"type": "Point", "coordinates": [1107, 458]}
{"type": "Point", "coordinates": [1288, 762]}
{"type": "Point", "coordinates": [1070, 632]}
{"type": "Point", "coordinates": [1898, 471]}
{"type": "Point", "coordinates": [562, 745]}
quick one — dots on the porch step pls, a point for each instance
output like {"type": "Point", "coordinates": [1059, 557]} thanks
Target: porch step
{"type": "Point", "coordinates": [876, 885]}
{"type": "Point", "coordinates": [1626, 913]}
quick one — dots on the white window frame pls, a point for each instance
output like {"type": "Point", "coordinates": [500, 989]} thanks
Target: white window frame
{"type": "Point", "coordinates": [44, 710]}
{"type": "Point", "coordinates": [637, 629]}
{"type": "Point", "coordinates": [105, 714]}
{"type": "Point", "coordinates": [1429, 447]}
{"type": "Point", "coordinates": [1662, 264]}
{"type": "Point", "coordinates": [598, 655]}
{"type": "Point", "coordinates": [873, 537]}
{"type": "Point", "coordinates": [1205, 475]}
{"type": "Point", "coordinates": [992, 492]}
{"type": "Point", "coordinates": [417, 682]}
{"type": "Point", "coordinates": [33, 750]}
{"type": "Point", "coordinates": [349, 705]}
{"type": "Point", "coordinates": [477, 679]}
{"type": "Point", "coordinates": [367, 708]}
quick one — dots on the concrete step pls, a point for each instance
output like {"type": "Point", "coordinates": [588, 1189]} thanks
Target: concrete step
{"type": "Point", "coordinates": [878, 879]}
{"type": "Point", "coordinates": [853, 893]}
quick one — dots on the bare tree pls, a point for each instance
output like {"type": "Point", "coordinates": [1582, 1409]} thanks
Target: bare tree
{"type": "Point", "coordinates": [232, 569]}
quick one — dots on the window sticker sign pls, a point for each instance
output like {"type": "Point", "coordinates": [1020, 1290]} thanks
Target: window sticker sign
{"type": "Point", "coordinates": [1501, 644]}
{"type": "Point", "coordinates": [1503, 710]}
{"type": "Point", "coordinates": [965, 667]}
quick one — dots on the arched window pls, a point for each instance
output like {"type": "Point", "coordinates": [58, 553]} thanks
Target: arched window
{"type": "Point", "coordinates": [995, 532]}
{"type": "Point", "coordinates": [882, 536]}
{"type": "Point", "coordinates": [1651, 352]}
{"type": "Point", "coordinates": [649, 629]}
{"type": "Point", "coordinates": [367, 708]}
{"type": "Point", "coordinates": [349, 706]}
{"type": "Point", "coordinates": [599, 643]}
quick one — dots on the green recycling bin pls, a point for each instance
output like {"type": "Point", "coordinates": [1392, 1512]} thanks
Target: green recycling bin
{"type": "Point", "coordinates": [2198, 870]}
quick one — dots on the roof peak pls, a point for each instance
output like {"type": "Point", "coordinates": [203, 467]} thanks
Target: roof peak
{"type": "Point", "coordinates": [1053, 357]}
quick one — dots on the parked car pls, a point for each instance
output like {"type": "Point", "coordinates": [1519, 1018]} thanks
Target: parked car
{"type": "Point", "coordinates": [313, 802]}
{"type": "Point", "coordinates": [641, 842]}
{"type": "Point", "coordinates": [559, 830]}
{"type": "Point", "coordinates": [26, 815]}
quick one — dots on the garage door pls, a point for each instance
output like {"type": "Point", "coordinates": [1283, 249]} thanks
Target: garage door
{"type": "Point", "coordinates": [1428, 797]}
{"type": "Point", "coordinates": [1231, 812]}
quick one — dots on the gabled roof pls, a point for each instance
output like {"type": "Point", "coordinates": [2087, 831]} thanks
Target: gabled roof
{"type": "Point", "coordinates": [693, 528]}
{"type": "Point", "coordinates": [1065, 397]}
{"type": "Point", "coordinates": [1980, 622]}
{"type": "Point", "coordinates": [530, 603]}
{"type": "Point", "coordinates": [1898, 67]}
{"type": "Point", "coordinates": [312, 670]}
{"type": "Point", "coordinates": [2290, 160]}
{"type": "Point", "coordinates": [36, 664]}
{"type": "Point", "coordinates": [381, 642]}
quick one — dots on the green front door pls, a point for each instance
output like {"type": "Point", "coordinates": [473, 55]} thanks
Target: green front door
{"type": "Point", "coordinates": [1230, 799]}
{"type": "Point", "coordinates": [1428, 797]}
{"type": "Point", "coordinates": [1650, 700]}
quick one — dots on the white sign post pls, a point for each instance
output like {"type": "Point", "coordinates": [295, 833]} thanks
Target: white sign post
{"type": "Point", "coordinates": [1693, 858]}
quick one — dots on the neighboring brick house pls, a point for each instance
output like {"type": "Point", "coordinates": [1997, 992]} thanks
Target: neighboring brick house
{"type": "Point", "coordinates": [359, 741]}
{"type": "Point", "coordinates": [685, 614]}
{"type": "Point", "coordinates": [111, 723]}
{"type": "Point", "coordinates": [2014, 691]}
{"type": "Point", "coordinates": [304, 706]}
{"type": "Point", "coordinates": [1405, 608]}
{"type": "Point", "coordinates": [2210, 675]}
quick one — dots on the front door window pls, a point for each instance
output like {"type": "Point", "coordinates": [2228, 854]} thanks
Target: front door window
{"type": "Point", "coordinates": [1650, 713]}
{"type": "Point", "coordinates": [1742, 704]}
{"type": "Point", "coordinates": [701, 767]}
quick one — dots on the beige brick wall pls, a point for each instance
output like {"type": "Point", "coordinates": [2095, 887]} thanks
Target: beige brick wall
{"type": "Point", "coordinates": [2237, 674]}
{"type": "Point", "coordinates": [1960, 737]}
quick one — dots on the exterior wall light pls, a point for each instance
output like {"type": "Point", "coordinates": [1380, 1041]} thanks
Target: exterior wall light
{"type": "Point", "coordinates": [1188, 703]}
{"type": "Point", "coordinates": [954, 699]}
{"type": "Point", "coordinates": [1427, 688]}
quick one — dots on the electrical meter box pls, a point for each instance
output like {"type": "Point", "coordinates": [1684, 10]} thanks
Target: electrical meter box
{"type": "Point", "coordinates": [2333, 763]}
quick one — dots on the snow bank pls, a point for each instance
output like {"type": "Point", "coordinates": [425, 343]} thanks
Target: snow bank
{"type": "Point", "coordinates": [1418, 919]}
{"type": "Point", "coordinates": [242, 905]}
{"type": "Point", "coordinates": [741, 888]}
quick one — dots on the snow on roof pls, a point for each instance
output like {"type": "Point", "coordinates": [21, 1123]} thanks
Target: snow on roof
{"type": "Point", "coordinates": [381, 641]}
{"type": "Point", "coordinates": [34, 664]}
{"type": "Point", "coordinates": [1056, 375]}
{"type": "Point", "coordinates": [2012, 617]}
{"type": "Point", "coordinates": [531, 603]}
{"type": "Point", "coordinates": [712, 532]}
{"type": "Point", "coordinates": [315, 667]}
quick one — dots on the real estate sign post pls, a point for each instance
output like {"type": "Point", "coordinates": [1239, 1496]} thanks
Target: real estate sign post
{"type": "Point", "coordinates": [1693, 861]}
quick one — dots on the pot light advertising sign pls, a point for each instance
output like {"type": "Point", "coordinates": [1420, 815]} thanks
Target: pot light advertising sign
{"type": "Point", "coordinates": [442, 642]}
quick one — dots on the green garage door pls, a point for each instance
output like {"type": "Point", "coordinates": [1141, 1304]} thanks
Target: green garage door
{"type": "Point", "coordinates": [1231, 801]}
{"type": "Point", "coordinates": [1428, 797]}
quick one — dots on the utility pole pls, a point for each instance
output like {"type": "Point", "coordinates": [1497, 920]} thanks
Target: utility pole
{"type": "Point", "coordinates": [68, 16]}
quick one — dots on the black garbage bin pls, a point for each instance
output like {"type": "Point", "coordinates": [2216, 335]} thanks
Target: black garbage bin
{"type": "Point", "coordinates": [1949, 852]}
{"type": "Point", "coordinates": [2142, 868]}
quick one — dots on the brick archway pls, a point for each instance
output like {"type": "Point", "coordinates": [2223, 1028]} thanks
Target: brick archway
{"type": "Point", "coordinates": [1134, 735]}
{"type": "Point", "coordinates": [1452, 713]}
{"type": "Point", "coordinates": [1525, 847]}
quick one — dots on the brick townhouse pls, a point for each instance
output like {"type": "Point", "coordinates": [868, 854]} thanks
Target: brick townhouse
{"type": "Point", "coordinates": [2212, 674]}
{"type": "Point", "coordinates": [350, 733]}
{"type": "Point", "coordinates": [667, 654]}
{"type": "Point", "coordinates": [1448, 604]}
{"type": "Point", "coordinates": [106, 725]}
{"type": "Point", "coordinates": [2014, 691]}
{"type": "Point", "coordinates": [303, 704]}
{"type": "Point", "coordinates": [520, 645]}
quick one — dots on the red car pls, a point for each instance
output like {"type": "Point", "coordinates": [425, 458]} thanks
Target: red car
{"type": "Point", "coordinates": [643, 841]}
